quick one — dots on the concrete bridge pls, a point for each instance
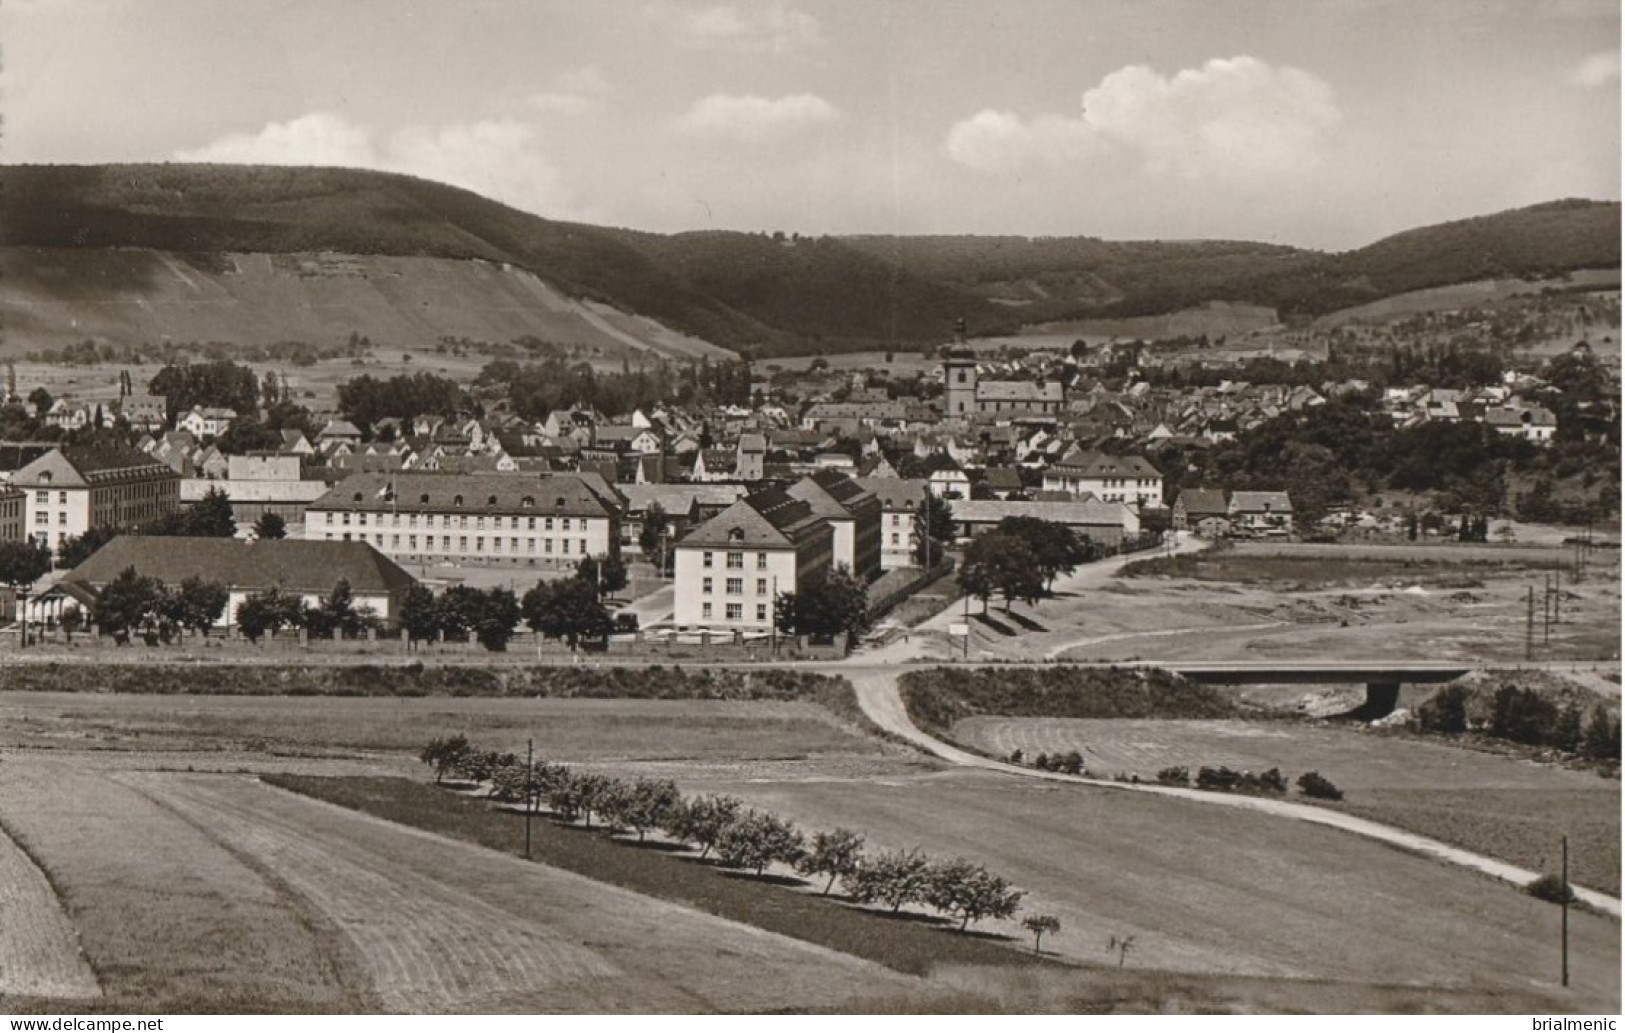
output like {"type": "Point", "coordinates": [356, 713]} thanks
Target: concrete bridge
{"type": "Point", "coordinates": [1382, 678]}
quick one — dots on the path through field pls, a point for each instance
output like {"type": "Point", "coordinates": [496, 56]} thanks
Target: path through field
{"type": "Point", "coordinates": [39, 950]}
{"type": "Point", "coordinates": [445, 926]}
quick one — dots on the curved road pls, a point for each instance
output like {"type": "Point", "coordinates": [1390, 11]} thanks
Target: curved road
{"type": "Point", "coordinates": [882, 702]}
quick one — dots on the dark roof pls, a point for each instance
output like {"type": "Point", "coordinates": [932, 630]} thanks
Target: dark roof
{"type": "Point", "coordinates": [1002, 478]}
{"type": "Point", "coordinates": [292, 564]}
{"type": "Point", "coordinates": [413, 492]}
{"type": "Point", "coordinates": [895, 493]}
{"type": "Point", "coordinates": [768, 519]}
{"type": "Point", "coordinates": [107, 463]}
{"type": "Point", "coordinates": [1204, 501]}
{"type": "Point", "coordinates": [833, 494]}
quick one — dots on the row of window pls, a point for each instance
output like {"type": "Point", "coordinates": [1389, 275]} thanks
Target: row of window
{"type": "Point", "coordinates": [515, 546]}
{"type": "Point", "coordinates": [736, 561]}
{"type": "Point", "coordinates": [564, 523]}
{"type": "Point", "coordinates": [735, 586]}
{"type": "Point", "coordinates": [735, 612]}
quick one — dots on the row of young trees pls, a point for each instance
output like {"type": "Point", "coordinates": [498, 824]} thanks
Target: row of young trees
{"type": "Point", "coordinates": [738, 836]}
{"type": "Point", "coordinates": [137, 604]}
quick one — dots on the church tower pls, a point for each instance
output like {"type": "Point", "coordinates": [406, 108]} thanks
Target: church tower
{"type": "Point", "coordinates": [959, 376]}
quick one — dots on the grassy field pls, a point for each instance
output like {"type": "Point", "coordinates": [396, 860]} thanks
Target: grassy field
{"type": "Point", "coordinates": [39, 949]}
{"type": "Point", "coordinates": [1204, 890]}
{"type": "Point", "coordinates": [1485, 802]}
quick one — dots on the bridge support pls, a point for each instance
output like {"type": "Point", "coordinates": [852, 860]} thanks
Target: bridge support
{"type": "Point", "coordinates": [1381, 697]}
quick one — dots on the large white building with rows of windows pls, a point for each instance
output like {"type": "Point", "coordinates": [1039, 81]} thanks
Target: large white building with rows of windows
{"type": "Point", "coordinates": [730, 569]}
{"type": "Point", "coordinates": [70, 490]}
{"type": "Point", "coordinates": [554, 519]}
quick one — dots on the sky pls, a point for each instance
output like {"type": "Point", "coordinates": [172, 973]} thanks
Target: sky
{"type": "Point", "coordinates": [1317, 123]}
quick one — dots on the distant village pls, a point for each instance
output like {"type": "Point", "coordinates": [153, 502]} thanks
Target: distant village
{"type": "Point", "coordinates": [818, 472]}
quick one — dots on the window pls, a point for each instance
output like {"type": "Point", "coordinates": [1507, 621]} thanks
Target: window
{"type": "Point", "coordinates": [42, 498]}
{"type": "Point", "coordinates": [761, 586]}
{"type": "Point", "coordinates": [530, 524]}
{"type": "Point", "coordinates": [479, 523]}
{"type": "Point", "coordinates": [346, 520]}
{"type": "Point", "coordinates": [705, 586]}
{"type": "Point", "coordinates": [564, 546]}
{"type": "Point", "coordinates": [528, 502]}
{"type": "Point", "coordinates": [705, 561]}
{"type": "Point", "coordinates": [42, 517]}
{"type": "Point", "coordinates": [705, 610]}
{"type": "Point", "coordinates": [736, 611]}
{"type": "Point", "coordinates": [457, 500]}
{"type": "Point", "coordinates": [479, 544]}
{"type": "Point", "coordinates": [761, 561]}
{"type": "Point", "coordinates": [423, 499]}
{"type": "Point", "coordinates": [412, 520]}
{"type": "Point", "coordinates": [445, 543]}
{"type": "Point", "coordinates": [896, 539]}
{"type": "Point", "coordinates": [547, 546]}
{"type": "Point", "coordinates": [736, 586]}
{"type": "Point", "coordinates": [583, 545]}
{"type": "Point", "coordinates": [548, 524]}
{"type": "Point", "coordinates": [62, 518]}
{"type": "Point", "coordinates": [361, 518]}
{"type": "Point", "coordinates": [412, 542]}
{"type": "Point", "coordinates": [462, 543]}
{"type": "Point", "coordinates": [330, 519]}
{"type": "Point", "coordinates": [394, 541]}
{"type": "Point", "coordinates": [761, 611]}
{"type": "Point", "coordinates": [736, 561]}
{"type": "Point", "coordinates": [564, 523]}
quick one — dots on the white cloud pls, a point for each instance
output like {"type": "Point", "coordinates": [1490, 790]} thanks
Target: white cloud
{"type": "Point", "coordinates": [1597, 70]}
{"type": "Point", "coordinates": [573, 93]}
{"type": "Point", "coordinates": [755, 118]}
{"type": "Point", "coordinates": [501, 159]}
{"type": "Point", "coordinates": [754, 28]}
{"type": "Point", "coordinates": [1237, 119]}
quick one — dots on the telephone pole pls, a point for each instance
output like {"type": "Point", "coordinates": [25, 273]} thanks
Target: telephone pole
{"type": "Point", "coordinates": [1529, 627]}
{"type": "Point", "coordinates": [530, 753]}
{"type": "Point", "coordinates": [1546, 613]}
{"type": "Point", "coordinates": [1565, 910]}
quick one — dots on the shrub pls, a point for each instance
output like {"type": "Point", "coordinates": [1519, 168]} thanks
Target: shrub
{"type": "Point", "coordinates": [1178, 775]}
{"type": "Point", "coordinates": [1314, 784]}
{"type": "Point", "coordinates": [894, 878]}
{"type": "Point", "coordinates": [1041, 762]}
{"type": "Point", "coordinates": [1445, 712]}
{"type": "Point", "coordinates": [1221, 779]}
{"type": "Point", "coordinates": [1551, 888]}
{"type": "Point", "coordinates": [1071, 763]}
{"type": "Point", "coordinates": [1016, 756]}
{"type": "Point", "coordinates": [1272, 781]}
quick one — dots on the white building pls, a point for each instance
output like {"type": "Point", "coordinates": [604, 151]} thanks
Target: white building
{"type": "Point", "coordinates": [1110, 478]}
{"type": "Point", "coordinates": [730, 569]}
{"type": "Point", "coordinates": [70, 490]}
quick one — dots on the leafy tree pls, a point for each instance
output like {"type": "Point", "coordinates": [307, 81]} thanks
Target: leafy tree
{"type": "Point", "coordinates": [198, 604]}
{"type": "Point", "coordinates": [1007, 564]}
{"type": "Point", "coordinates": [23, 563]}
{"type": "Point", "coordinates": [1055, 549]}
{"type": "Point", "coordinates": [497, 620]}
{"type": "Point", "coordinates": [832, 604]}
{"type": "Point", "coordinates": [336, 616]}
{"type": "Point", "coordinates": [700, 821]}
{"type": "Point", "coordinates": [933, 531]}
{"type": "Point", "coordinates": [607, 575]}
{"type": "Point", "coordinates": [1038, 925]}
{"type": "Point", "coordinates": [420, 615]}
{"type": "Point", "coordinates": [74, 551]}
{"type": "Point", "coordinates": [835, 854]}
{"type": "Point", "coordinates": [1445, 711]}
{"type": "Point", "coordinates": [41, 400]}
{"type": "Point", "coordinates": [270, 527]}
{"type": "Point", "coordinates": [366, 399]}
{"type": "Point", "coordinates": [1317, 786]}
{"type": "Point", "coordinates": [1601, 738]}
{"type": "Point", "coordinates": [893, 878]}
{"type": "Point", "coordinates": [128, 601]}
{"type": "Point", "coordinates": [975, 577]}
{"type": "Point", "coordinates": [969, 892]}
{"type": "Point", "coordinates": [654, 537]}
{"type": "Point", "coordinates": [221, 384]}
{"type": "Point", "coordinates": [269, 611]}
{"type": "Point", "coordinates": [211, 516]}
{"type": "Point", "coordinates": [569, 609]}
{"type": "Point", "coordinates": [755, 840]}
{"type": "Point", "coordinates": [445, 754]}
{"type": "Point", "coordinates": [645, 804]}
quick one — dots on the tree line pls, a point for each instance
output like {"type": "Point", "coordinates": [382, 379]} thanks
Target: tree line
{"type": "Point", "coordinates": [740, 837]}
{"type": "Point", "coordinates": [1524, 716]}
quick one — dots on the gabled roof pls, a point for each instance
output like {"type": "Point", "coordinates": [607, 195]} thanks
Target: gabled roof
{"type": "Point", "coordinates": [561, 494]}
{"type": "Point", "coordinates": [1098, 464]}
{"type": "Point", "coordinates": [766, 520]}
{"type": "Point", "coordinates": [1204, 502]}
{"type": "Point", "coordinates": [895, 493]}
{"type": "Point", "coordinates": [80, 466]}
{"type": "Point", "coordinates": [1260, 502]}
{"type": "Point", "coordinates": [1089, 512]}
{"type": "Point", "coordinates": [295, 565]}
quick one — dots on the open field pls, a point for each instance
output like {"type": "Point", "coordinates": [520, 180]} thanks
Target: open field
{"type": "Point", "coordinates": [39, 949]}
{"type": "Point", "coordinates": [1492, 804]}
{"type": "Point", "coordinates": [386, 734]}
{"type": "Point", "coordinates": [1206, 890]}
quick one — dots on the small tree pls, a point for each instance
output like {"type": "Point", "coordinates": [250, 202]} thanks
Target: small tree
{"type": "Point", "coordinates": [127, 602]}
{"type": "Point", "coordinates": [933, 533]}
{"type": "Point", "coordinates": [444, 754]}
{"type": "Point", "coordinates": [969, 892]}
{"type": "Point", "coordinates": [420, 617]}
{"type": "Point", "coordinates": [199, 604]}
{"type": "Point", "coordinates": [700, 821]}
{"type": "Point", "coordinates": [1038, 925]}
{"type": "Point", "coordinates": [1317, 786]}
{"type": "Point", "coordinates": [1445, 711]}
{"type": "Point", "coordinates": [893, 878]}
{"type": "Point", "coordinates": [654, 535]}
{"type": "Point", "coordinates": [1551, 888]}
{"type": "Point", "coordinates": [645, 804]}
{"type": "Point", "coordinates": [270, 527]}
{"type": "Point", "coordinates": [1121, 946]}
{"type": "Point", "coordinates": [23, 563]}
{"type": "Point", "coordinates": [755, 840]}
{"type": "Point", "coordinates": [835, 854]}
{"type": "Point", "coordinates": [269, 611]}
{"type": "Point", "coordinates": [828, 605]}
{"type": "Point", "coordinates": [211, 516]}
{"type": "Point", "coordinates": [74, 551]}
{"type": "Point", "coordinates": [607, 574]}
{"type": "Point", "coordinates": [569, 609]}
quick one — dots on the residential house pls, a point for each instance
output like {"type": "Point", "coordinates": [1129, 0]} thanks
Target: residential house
{"type": "Point", "coordinates": [1203, 510]}
{"type": "Point", "coordinates": [1111, 478]}
{"type": "Point", "coordinates": [1261, 511]}
{"type": "Point", "coordinates": [730, 570]}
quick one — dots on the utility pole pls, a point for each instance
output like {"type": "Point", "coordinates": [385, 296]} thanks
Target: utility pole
{"type": "Point", "coordinates": [530, 753]}
{"type": "Point", "coordinates": [1529, 627]}
{"type": "Point", "coordinates": [1565, 910]}
{"type": "Point", "coordinates": [1546, 613]}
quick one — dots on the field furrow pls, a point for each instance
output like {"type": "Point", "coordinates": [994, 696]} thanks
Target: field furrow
{"type": "Point", "coordinates": [39, 951]}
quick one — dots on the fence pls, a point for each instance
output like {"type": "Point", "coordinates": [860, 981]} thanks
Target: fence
{"type": "Point", "coordinates": [878, 608]}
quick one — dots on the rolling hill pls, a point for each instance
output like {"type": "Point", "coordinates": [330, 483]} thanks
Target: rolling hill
{"type": "Point", "coordinates": [133, 253]}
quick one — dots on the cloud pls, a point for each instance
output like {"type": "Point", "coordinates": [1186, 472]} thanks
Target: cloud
{"type": "Point", "coordinates": [1597, 70]}
{"type": "Point", "coordinates": [755, 118]}
{"type": "Point", "coordinates": [501, 158]}
{"type": "Point", "coordinates": [1236, 119]}
{"type": "Point", "coordinates": [755, 28]}
{"type": "Point", "coordinates": [573, 93]}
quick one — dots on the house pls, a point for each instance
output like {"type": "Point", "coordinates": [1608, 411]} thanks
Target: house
{"type": "Point", "coordinates": [207, 422]}
{"type": "Point", "coordinates": [730, 570]}
{"type": "Point", "coordinates": [1534, 423]}
{"type": "Point", "coordinates": [751, 454]}
{"type": "Point", "coordinates": [950, 483]}
{"type": "Point", "coordinates": [900, 499]}
{"type": "Point", "coordinates": [852, 513]}
{"type": "Point", "coordinates": [458, 518]}
{"type": "Point", "coordinates": [685, 506]}
{"type": "Point", "coordinates": [620, 439]}
{"type": "Point", "coordinates": [1261, 511]}
{"type": "Point", "coordinates": [1002, 482]}
{"type": "Point", "coordinates": [1129, 478]}
{"type": "Point", "coordinates": [339, 432]}
{"type": "Point", "coordinates": [1203, 510]}
{"type": "Point", "coordinates": [72, 489]}
{"type": "Point", "coordinates": [303, 568]}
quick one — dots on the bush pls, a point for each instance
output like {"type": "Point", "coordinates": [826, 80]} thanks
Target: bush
{"type": "Point", "coordinates": [969, 892]}
{"type": "Point", "coordinates": [1551, 888]}
{"type": "Point", "coordinates": [1314, 784]}
{"type": "Point", "coordinates": [755, 840]}
{"type": "Point", "coordinates": [893, 878]}
{"type": "Point", "coordinates": [1174, 776]}
{"type": "Point", "coordinates": [1070, 763]}
{"type": "Point", "coordinates": [1445, 712]}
